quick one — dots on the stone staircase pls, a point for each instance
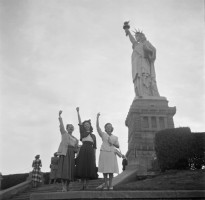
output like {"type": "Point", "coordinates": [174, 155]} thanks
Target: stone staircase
{"type": "Point", "coordinates": [92, 185]}
{"type": "Point", "coordinates": [53, 191]}
{"type": "Point", "coordinates": [74, 186]}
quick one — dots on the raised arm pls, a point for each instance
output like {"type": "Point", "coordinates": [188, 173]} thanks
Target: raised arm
{"type": "Point", "coordinates": [79, 118]}
{"type": "Point", "coordinates": [62, 128]}
{"type": "Point", "coordinates": [98, 126]}
{"type": "Point", "coordinates": [132, 39]}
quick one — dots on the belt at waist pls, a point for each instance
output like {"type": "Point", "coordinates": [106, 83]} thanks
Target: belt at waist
{"type": "Point", "coordinates": [87, 143]}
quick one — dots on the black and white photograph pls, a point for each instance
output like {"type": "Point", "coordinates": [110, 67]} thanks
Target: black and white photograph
{"type": "Point", "coordinates": [102, 99]}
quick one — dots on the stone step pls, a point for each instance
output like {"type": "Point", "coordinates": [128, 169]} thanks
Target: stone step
{"type": "Point", "coordinates": [53, 188]}
{"type": "Point", "coordinates": [132, 195]}
{"type": "Point", "coordinates": [91, 185]}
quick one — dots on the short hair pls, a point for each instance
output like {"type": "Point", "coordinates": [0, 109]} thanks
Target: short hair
{"type": "Point", "coordinates": [69, 125]}
{"type": "Point", "coordinates": [107, 125]}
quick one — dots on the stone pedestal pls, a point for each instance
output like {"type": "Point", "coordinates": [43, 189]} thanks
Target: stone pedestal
{"type": "Point", "coordinates": [146, 116]}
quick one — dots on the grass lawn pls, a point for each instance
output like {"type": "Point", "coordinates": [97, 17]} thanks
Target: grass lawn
{"type": "Point", "coordinates": [169, 180]}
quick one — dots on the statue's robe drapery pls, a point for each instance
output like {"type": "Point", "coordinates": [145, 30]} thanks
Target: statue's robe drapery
{"type": "Point", "coordinates": [143, 72]}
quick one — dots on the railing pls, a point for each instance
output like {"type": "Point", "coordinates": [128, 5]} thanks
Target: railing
{"type": "Point", "coordinates": [12, 191]}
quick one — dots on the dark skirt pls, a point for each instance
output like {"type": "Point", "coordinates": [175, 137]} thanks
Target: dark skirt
{"type": "Point", "coordinates": [53, 173]}
{"type": "Point", "coordinates": [66, 165]}
{"type": "Point", "coordinates": [85, 162]}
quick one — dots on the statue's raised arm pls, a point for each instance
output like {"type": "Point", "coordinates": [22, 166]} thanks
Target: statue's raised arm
{"type": "Point", "coordinates": [126, 27]}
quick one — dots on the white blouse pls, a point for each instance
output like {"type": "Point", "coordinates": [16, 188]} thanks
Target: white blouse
{"type": "Point", "coordinates": [106, 146]}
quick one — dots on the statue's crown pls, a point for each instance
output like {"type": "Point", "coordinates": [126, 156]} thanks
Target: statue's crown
{"type": "Point", "coordinates": [138, 31]}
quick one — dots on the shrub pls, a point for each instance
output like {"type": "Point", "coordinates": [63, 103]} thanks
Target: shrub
{"type": "Point", "coordinates": [46, 177]}
{"type": "Point", "coordinates": [197, 156]}
{"type": "Point", "coordinates": [15, 179]}
{"type": "Point", "coordinates": [173, 148]}
{"type": "Point", "coordinates": [12, 180]}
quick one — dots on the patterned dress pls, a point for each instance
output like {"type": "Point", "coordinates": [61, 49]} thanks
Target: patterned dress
{"type": "Point", "coordinates": [36, 173]}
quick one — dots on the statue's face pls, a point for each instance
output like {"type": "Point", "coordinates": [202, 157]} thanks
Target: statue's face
{"type": "Point", "coordinates": [137, 37]}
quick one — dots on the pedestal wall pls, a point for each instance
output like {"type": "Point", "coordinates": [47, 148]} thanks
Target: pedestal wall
{"type": "Point", "coordinates": [145, 117]}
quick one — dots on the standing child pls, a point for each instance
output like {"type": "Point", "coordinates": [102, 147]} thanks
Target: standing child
{"type": "Point", "coordinates": [107, 160]}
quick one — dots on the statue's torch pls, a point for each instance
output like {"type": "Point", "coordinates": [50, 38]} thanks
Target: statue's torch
{"type": "Point", "coordinates": [126, 26]}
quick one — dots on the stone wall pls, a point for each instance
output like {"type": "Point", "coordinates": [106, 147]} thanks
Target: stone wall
{"type": "Point", "coordinates": [146, 116]}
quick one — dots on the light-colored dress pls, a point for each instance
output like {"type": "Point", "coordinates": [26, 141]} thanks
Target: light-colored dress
{"type": "Point", "coordinates": [107, 159]}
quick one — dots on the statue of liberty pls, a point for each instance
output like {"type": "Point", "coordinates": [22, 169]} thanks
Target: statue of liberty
{"type": "Point", "coordinates": [143, 57]}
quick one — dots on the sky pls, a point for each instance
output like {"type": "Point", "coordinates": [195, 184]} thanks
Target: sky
{"type": "Point", "coordinates": [59, 55]}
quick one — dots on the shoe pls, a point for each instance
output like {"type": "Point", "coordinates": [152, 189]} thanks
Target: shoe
{"type": "Point", "coordinates": [64, 189]}
{"type": "Point", "coordinates": [105, 188]}
{"type": "Point", "coordinates": [83, 188]}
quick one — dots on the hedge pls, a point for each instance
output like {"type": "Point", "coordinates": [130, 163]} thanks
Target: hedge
{"type": "Point", "coordinates": [197, 158]}
{"type": "Point", "coordinates": [12, 180]}
{"type": "Point", "coordinates": [172, 148]}
{"type": "Point", "coordinates": [179, 148]}
{"type": "Point", "coordinates": [15, 179]}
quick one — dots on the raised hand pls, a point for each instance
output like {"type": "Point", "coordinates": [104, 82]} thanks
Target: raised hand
{"type": "Point", "coordinates": [77, 109]}
{"type": "Point", "coordinates": [60, 112]}
{"type": "Point", "coordinates": [98, 126]}
{"type": "Point", "coordinates": [98, 115]}
{"type": "Point", "coordinates": [127, 32]}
